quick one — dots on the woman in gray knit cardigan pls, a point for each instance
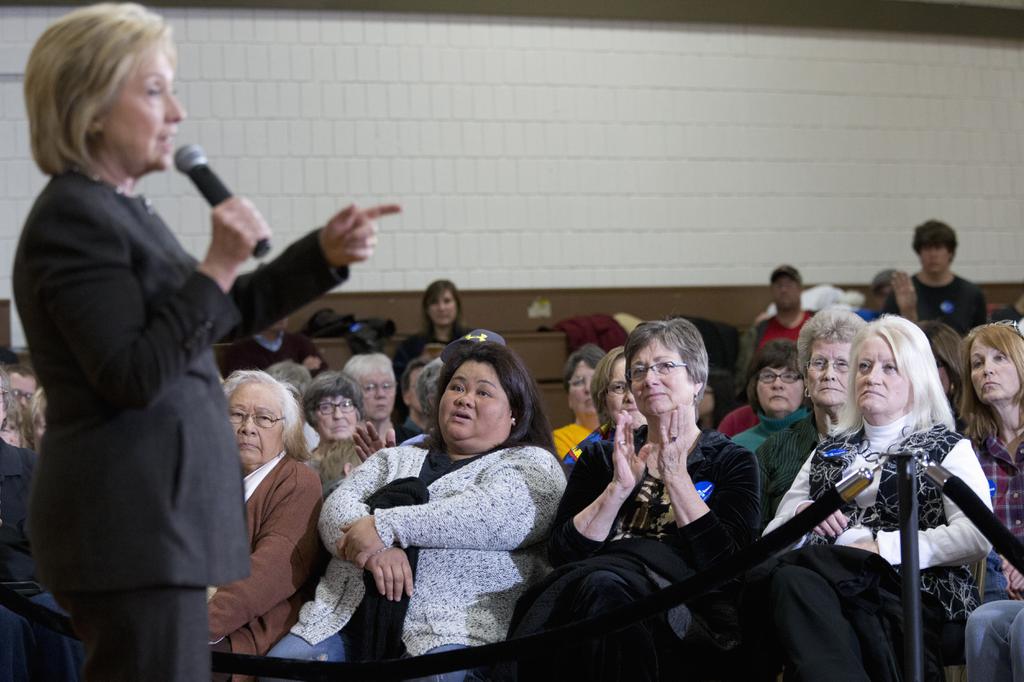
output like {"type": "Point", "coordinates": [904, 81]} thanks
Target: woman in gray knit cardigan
{"type": "Point", "coordinates": [461, 558]}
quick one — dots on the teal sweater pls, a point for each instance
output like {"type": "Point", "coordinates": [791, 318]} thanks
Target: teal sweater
{"type": "Point", "coordinates": [752, 438]}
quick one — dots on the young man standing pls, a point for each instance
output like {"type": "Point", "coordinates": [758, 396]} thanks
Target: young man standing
{"type": "Point", "coordinates": [935, 293]}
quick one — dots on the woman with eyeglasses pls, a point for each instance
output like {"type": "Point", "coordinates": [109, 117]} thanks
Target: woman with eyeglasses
{"type": "Point", "coordinates": [576, 378]}
{"type": "Point", "coordinates": [333, 403]}
{"type": "Point", "coordinates": [282, 504]}
{"type": "Point", "coordinates": [834, 605]}
{"type": "Point", "coordinates": [643, 511]}
{"type": "Point", "coordinates": [823, 349]}
{"type": "Point", "coordinates": [610, 393]}
{"type": "Point", "coordinates": [376, 378]}
{"type": "Point", "coordinates": [775, 389]}
{"type": "Point", "coordinates": [992, 405]}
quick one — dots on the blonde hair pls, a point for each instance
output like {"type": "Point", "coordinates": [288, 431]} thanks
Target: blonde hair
{"type": "Point", "coordinates": [294, 439]}
{"type": "Point", "coordinates": [914, 362]}
{"type": "Point", "coordinates": [75, 71]}
{"type": "Point", "coordinates": [980, 419]}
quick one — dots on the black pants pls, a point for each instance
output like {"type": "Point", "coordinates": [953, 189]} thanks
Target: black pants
{"type": "Point", "coordinates": [145, 634]}
{"type": "Point", "coordinates": [818, 643]}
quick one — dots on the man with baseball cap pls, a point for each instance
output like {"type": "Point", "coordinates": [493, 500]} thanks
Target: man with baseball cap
{"type": "Point", "coordinates": [786, 287]}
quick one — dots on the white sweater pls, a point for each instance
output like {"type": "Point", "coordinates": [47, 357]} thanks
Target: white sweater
{"type": "Point", "coordinates": [478, 538]}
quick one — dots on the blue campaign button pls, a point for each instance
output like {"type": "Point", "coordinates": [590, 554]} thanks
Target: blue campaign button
{"type": "Point", "coordinates": [704, 489]}
{"type": "Point", "coordinates": [992, 488]}
{"type": "Point", "coordinates": [947, 307]}
{"type": "Point", "coordinates": [833, 452]}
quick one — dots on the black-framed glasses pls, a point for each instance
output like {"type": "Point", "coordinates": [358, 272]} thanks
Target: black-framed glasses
{"type": "Point", "coordinates": [766, 376]}
{"type": "Point", "coordinates": [326, 407]}
{"type": "Point", "coordinates": [821, 364]}
{"type": "Point", "coordinates": [636, 373]}
{"type": "Point", "coordinates": [263, 421]}
{"type": "Point", "coordinates": [20, 394]}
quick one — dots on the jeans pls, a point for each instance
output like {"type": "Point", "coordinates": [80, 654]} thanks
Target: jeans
{"type": "Point", "coordinates": [334, 649]}
{"type": "Point", "coordinates": [995, 581]}
{"type": "Point", "coordinates": [33, 652]}
{"type": "Point", "coordinates": [995, 642]}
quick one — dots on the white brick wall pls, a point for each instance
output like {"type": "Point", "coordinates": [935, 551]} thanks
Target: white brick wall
{"type": "Point", "coordinates": [531, 153]}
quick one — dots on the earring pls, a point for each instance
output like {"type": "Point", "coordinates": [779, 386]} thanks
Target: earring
{"type": "Point", "coordinates": [513, 421]}
{"type": "Point", "coordinates": [807, 392]}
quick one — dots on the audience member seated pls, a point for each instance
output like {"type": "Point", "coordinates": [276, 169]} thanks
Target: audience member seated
{"type": "Point", "coordinates": [426, 397]}
{"type": "Point", "coordinates": [935, 293]}
{"type": "Point", "coordinates": [29, 651]}
{"type": "Point", "coordinates": [786, 286]}
{"type": "Point", "coordinates": [945, 344]}
{"type": "Point", "coordinates": [610, 393]}
{"type": "Point", "coordinates": [23, 382]}
{"type": "Point", "coordinates": [992, 406]}
{"type": "Point", "coordinates": [432, 547]}
{"type": "Point", "coordinates": [834, 604]}
{"type": "Point", "coordinates": [641, 512]}
{"type": "Point", "coordinates": [373, 373]}
{"type": "Point", "coordinates": [441, 323]}
{"type": "Point", "coordinates": [718, 401]}
{"type": "Point", "coordinates": [576, 377]}
{"type": "Point", "coordinates": [13, 425]}
{"type": "Point", "coordinates": [1013, 312]}
{"type": "Point", "coordinates": [333, 403]}
{"type": "Point", "coordinates": [878, 292]}
{"type": "Point", "coordinates": [282, 505]}
{"type": "Point", "coordinates": [271, 345]}
{"type": "Point", "coordinates": [823, 350]}
{"type": "Point", "coordinates": [775, 391]}
{"type": "Point", "coordinates": [414, 423]}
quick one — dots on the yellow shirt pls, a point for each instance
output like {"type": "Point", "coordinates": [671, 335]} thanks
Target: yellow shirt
{"type": "Point", "coordinates": [567, 437]}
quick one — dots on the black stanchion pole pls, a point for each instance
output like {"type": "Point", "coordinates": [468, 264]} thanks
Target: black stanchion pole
{"type": "Point", "coordinates": [913, 660]}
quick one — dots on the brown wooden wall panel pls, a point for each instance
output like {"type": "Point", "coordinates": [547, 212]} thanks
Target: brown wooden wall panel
{"type": "Point", "coordinates": [966, 19]}
{"type": "Point", "coordinates": [507, 310]}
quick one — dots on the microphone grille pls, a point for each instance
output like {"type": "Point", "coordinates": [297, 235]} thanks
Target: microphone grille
{"type": "Point", "coordinates": [188, 157]}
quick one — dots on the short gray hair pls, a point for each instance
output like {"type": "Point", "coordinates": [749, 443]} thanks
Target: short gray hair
{"type": "Point", "coordinates": [426, 386]}
{"type": "Point", "coordinates": [328, 385]}
{"type": "Point", "coordinates": [287, 397]}
{"type": "Point", "coordinates": [832, 325]}
{"type": "Point", "coordinates": [358, 366]}
{"type": "Point", "coordinates": [291, 372]}
{"type": "Point", "coordinates": [678, 334]}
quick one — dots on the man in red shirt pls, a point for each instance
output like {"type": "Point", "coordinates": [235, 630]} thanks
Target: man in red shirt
{"type": "Point", "coordinates": [786, 287]}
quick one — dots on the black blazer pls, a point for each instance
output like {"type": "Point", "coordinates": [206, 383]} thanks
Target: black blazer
{"type": "Point", "coordinates": [140, 484]}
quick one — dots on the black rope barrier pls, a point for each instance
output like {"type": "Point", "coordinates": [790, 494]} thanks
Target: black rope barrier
{"type": "Point", "coordinates": [524, 647]}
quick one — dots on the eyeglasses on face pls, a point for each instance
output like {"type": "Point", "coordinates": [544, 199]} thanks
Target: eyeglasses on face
{"type": "Point", "coordinates": [820, 364]}
{"type": "Point", "coordinates": [579, 382]}
{"type": "Point", "coordinates": [383, 387]}
{"type": "Point", "coordinates": [263, 421]}
{"type": "Point", "coordinates": [326, 407]}
{"type": "Point", "coordinates": [636, 373]}
{"type": "Point", "coordinates": [20, 394]}
{"type": "Point", "coordinates": [766, 376]}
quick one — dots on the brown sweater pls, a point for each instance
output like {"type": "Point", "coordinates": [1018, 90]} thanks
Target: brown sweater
{"type": "Point", "coordinates": [282, 514]}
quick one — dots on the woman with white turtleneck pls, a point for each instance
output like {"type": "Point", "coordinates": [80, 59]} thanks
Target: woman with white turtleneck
{"type": "Point", "coordinates": [895, 403]}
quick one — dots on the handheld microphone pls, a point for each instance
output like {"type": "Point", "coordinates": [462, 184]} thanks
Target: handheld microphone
{"type": "Point", "coordinates": [191, 160]}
